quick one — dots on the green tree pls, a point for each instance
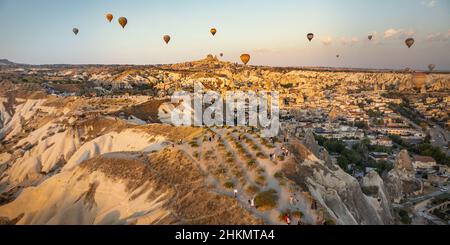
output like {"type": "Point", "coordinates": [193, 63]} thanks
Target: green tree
{"type": "Point", "coordinates": [343, 162]}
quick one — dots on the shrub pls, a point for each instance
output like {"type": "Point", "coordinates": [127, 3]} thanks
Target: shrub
{"type": "Point", "coordinates": [404, 217]}
{"type": "Point", "coordinates": [266, 200]}
{"type": "Point", "coordinates": [251, 163]}
{"type": "Point", "coordinates": [229, 185]}
{"type": "Point", "coordinates": [278, 175]}
{"type": "Point", "coordinates": [238, 173]}
{"type": "Point", "coordinates": [370, 190]}
{"type": "Point", "coordinates": [329, 222]}
{"type": "Point", "coordinates": [297, 214]}
{"type": "Point", "coordinates": [196, 154]}
{"type": "Point", "coordinates": [221, 170]}
{"type": "Point", "coordinates": [261, 180]}
{"type": "Point", "coordinates": [252, 190]}
{"type": "Point", "coordinates": [260, 155]}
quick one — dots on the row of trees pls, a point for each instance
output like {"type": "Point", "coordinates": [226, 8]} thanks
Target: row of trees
{"type": "Point", "coordinates": [424, 149]}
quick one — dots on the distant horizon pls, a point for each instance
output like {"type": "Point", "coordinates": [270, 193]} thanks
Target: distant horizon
{"type": "Point", "coordinates": [286, 67]}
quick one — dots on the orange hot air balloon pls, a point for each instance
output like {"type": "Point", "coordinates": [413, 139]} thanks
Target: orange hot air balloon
{"type": "Point", "coordinates": [75, 31]}
{"type": "Point", "coordinates": [310, 36]}
{"type": "Point", "coordinates": [109, 17]}
{"type": "Point", "coordinates": [409, 42]}
{"type": "Point", "coordinates": [245, 58]}
{"type": "Point", "coordinates": [123, 21]}
{"type": "Point", "coordinates": [166, 39]}
{"type": "Point", "coordinates": [213, 31]}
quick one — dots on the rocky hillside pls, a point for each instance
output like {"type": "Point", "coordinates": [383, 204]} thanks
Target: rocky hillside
{"type": "Point", "coordinates": [98, 164]}
{"type": "Point", "coordinates": [339, 195]}
{"type": "Point", "coordinates": [72, 152]}
{"type": "Point", "coordinates": [342, 197]}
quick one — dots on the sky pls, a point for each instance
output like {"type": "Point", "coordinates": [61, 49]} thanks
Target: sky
{"type": "Point", "coordinates": [273, 32]}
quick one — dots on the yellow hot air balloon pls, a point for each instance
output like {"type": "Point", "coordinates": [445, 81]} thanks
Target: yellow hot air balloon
{"type": "Point", "coordinates": [310, 36]}
{"type": "Point", "coordinates": [245, 58]}
{"type": "Point", "coordinates": [109, 17]}
{"type": "Point", "coordinates": [123, 21]}
{"type": "Point", "coordinates": [213, 31]}
{"type": "Point", "coordinates": [409, 42]}
{"type": "Point", "coordinates": [75, 31]}
{"type": "Point", "coordinates": [166, 39]}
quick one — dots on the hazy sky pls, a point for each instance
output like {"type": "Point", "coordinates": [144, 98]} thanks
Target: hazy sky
{"type": "Point", "coordinates": [272, 31]}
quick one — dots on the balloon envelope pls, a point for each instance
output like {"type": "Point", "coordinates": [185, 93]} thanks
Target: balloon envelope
{"type": "Point", "coordinates": [213, 31]}
{"type": "Point", "coordinates": [409, 42]}
{"type": "Point", "coordinates": [166, 39]}
{"type": "Point", "coordinates": [310, 36]}
{"type": "Point", "coordinates": [221, 54]}
{"type": "Point", "coordinates": [75, 31]}
{"type": "Point", "coordinates": [123, 21]}
{"type": "Point", "coordinates": [245, 58]}
{"type": "Point", "coordinates": [109, 17]}
{"type": "Point", "coordinates": [370, 37]}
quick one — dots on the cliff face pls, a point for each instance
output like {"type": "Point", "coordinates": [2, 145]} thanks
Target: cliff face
{"type": "Point", "coordinates": [337, 192]}
{"type": "Point", "coordinates": [400, 182]}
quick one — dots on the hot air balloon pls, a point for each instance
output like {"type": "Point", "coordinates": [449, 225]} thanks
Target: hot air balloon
{"type": "Point", "coordinates": [123, 21]}
{"type": "Point", "coordinates": [245, 58]}
{"type": "Point", "coordinates": [338, 55]}
{"type": "Point", "coordinates": [213, 31]}
{"type": "Point", "coordinates": [109, 17]}
{"type": "Point", "coordinates": [75, 31]}
{"type": "Point", "coordinates": [310, 36]}
{"type": "Point", "coordinates": [370, 37]}
{"type": "Point", "coordinates": [409, 42]}
{"type": "Point", "coordinates": [431, 67]}
{"type": "Point", "coordinates": [166, 39]}
{"type": "Point", "coordinates": [221, 54]}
